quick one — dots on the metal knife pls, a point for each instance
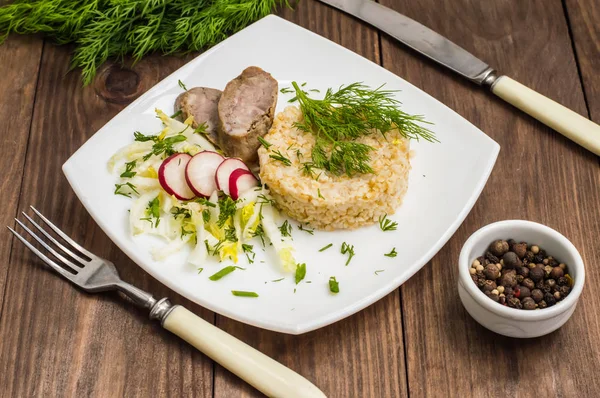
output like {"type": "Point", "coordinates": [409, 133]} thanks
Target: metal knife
{"type": "Point", "coordinates": [424, 40]}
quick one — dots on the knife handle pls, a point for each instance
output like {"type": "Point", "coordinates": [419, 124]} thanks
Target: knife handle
{"type": "Point", "coordinates": [570, 124]}
{"type": "Point", "coordinates": [251, 365]}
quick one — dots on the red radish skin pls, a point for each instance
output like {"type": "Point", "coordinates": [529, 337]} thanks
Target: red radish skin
{"type": "Point", "coordinates": [171, 176]}
{"type": "Point", "coordinates": [200, 173]}
{"type": "Point", "coordinates": [241, 181]}
{"type": "Point", "coordinates": [224, 172]}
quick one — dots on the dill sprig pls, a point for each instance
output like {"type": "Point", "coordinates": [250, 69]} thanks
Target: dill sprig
{"type": "Point", "coordinates": [345, 115]}
{"type": "Point", "coordinates": [113, 29]}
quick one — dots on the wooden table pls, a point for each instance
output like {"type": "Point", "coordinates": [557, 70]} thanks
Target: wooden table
{"type": "Point", "coordinates": [417, 341]}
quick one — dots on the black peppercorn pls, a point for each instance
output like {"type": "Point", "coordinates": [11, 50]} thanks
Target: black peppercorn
{"type": "Point", "coordinates": [515, 303]}
{"type": "Point", "coordinates": [562, 281]}
{"type": "Point", "coordinates": [511, 260]}
{"type": "Point", "coordinates": [556, 273]}
{"type": "Point", "coordinates": [529, 255]}
{"type": "Point", "coordinates": [491, 271]}
{"type": "Point", "coordinates": [537, 295]}
{"type": "Point", "coordinates": [508, 278]}
{"type": "Point", "coordinates": [510, 242]}
{"type": "Point", "coordinates": [539, 285]}
{"type": "Point", "coordinates": [538, 258]}
{"type": "Point", "coordinates": [494, 297]}
{"type": "Point", "coordinates": [549, 299]}
{"type": "Point", "coordinates": [520, 278]}
{"type": "Point", "coordinates": [493, 259]}
{"type": "Point", "coordinates": [499, 247]}
{"type": "Point", "coordinates": [542, 304]}
{"type": "Point", "coordinates": [552, 262]}
{"type": "Point", "coordinates": [488, 286]}
{"type": "Point", "coordinates": [551, 283]}
{"type": "Point", "coordinates": [481, 282]}
{"type": "Point", "coordinates": [502, 300]}
{"type": "Point", "coordinates": [564, 290]}
{"type": "Point", "coordinates": [508, 291]}
{"type": "Point", "coordinates": [520, 249]}
{"type": "Point", "coordinates": [528, 283]}
{"type": "Point", "coordinates": [528, 303]}
{"type": "Point", "coordinates": [536, 274]}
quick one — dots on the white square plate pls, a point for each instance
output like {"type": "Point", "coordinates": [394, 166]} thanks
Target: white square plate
{"type": "Point", "coordinates": [445, 182]}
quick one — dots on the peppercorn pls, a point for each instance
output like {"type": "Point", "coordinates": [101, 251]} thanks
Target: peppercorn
{"type": "Point", "coordinates": [508, 278]}
{"type": "Point", "coordinates": [545, 261]}
{"type": "Point", "coordinates": [529, 255]}
{"type": "Point", "coordinates": [510, 242]}
{"type": "Point", "coordinates": [531, 265]}
{"type": "Point", "coordinates": [547, 270]}
{"type": "Point", "coordinates": [499, 247]}
{"type": "Point", "coordinates": [562, 266]}
{"type": "Point", "coordinates": [535, 249]}
{"type": "Point", "coordinates": [500, 289]}
{"type": "Point", "coordinates": [491, 257]}
{"type": "Point", "coordinates": [538, 258]}
{"type": "Point", "coordinates": [542, 304]}
{"type": "Point", "coordinates": [549, 299]}
{"type": "Point", "coordinates": [480, 259]}
{"type": "Point", "coordinates": [520, 249]}
{"type": "Point", "coordinates": [515, 303]}
{"type": "Point", "coordinates": [491, 271]}
{"type": "Point", "coordinates": [537, 295]}
{"type": "Point", "coordinates": [488, 286]}
{"type": "Point", "coordinates": [475, 263]}
{"type": "Point", "coordinates": [528, 283]}
{"type": "Point", "coordinates": [564, 290]}
{"type": "Point", "coordinates": [494, 297]}
{"type": "Point", "coordinates": [499, 266]}
{"type": "Point", "coordinates": [562, 281]}
{"type": "Point", "coordinates": [539, 284]}
{"type": "Point", "coordinates": [543, 253]}
{"type": "Point", "coordinates": [474, 278]}
{"type": "Point", "coordinates": [479, 267]}
{"type": "Point", "coordinates": [536, 274]}
{"type": "Point", "coordinates": [550, 282]}
{"type": "Point", "coordinates": [557, 296]}
{"type": "Point", "coordinates": [528, 303]}
{"type": "Point", "coordinates": [502, 299]}
{"type": "Point", "coordinates": [472, 271]}
{"type": "Point", "coordinates": [508, 291]}
{"type": "Point", "coordinates": [525, 292]}
{"type": "Point", "coordinates": [556, 273]}
{"type": "Point", "coordinates": [481, 282]}
{"type": "Point", "coordinates": [523, 271]}
{"type": "Point", "coordinates": [511, 260]}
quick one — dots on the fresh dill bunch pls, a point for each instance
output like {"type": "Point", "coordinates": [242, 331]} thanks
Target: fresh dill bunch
{"type": "Point", "coordinates": [103, 29]}
{"type": "Point", "coordinates": [351, 112]}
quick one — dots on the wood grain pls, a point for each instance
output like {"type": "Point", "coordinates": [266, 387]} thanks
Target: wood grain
{"type": "Point", "coordinates": [20, 60]}
{"type": "Point", "coordinates": [54, 340]}
{"type": "Point", "coordinates": [584, 18]}
{"type": "Point", "coordinates": [362, 356]}
{"type": "Point", "coordinates": [540, 176]}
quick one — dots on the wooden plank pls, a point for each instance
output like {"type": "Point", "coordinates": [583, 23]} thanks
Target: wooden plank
{"type": "Point", "coordinates": [362, 356]}
{"type": "Point", "coordinates": [20, 60]}
{"type": "Point", "coordinates": [54, 340]}
{"type": "Point", "coordinates": [540, 176]}
{"type": "Point", "coordinates": [584, 17]}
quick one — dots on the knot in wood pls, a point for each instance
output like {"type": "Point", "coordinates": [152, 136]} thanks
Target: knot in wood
{"type": "Point", "coordinates": [118, 84]}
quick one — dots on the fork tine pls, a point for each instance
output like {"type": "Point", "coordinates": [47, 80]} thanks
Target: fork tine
{"type": "Point", "coordinates": [63, 235]}
{"type": "Point", "coordinates": [46, 246]}
{"type": "Point", "coordinates": [51, 239]}
{"type": "Point", "coordinates": [44, 258]}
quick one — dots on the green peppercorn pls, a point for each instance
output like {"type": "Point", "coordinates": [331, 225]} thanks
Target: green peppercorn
{"type": "Point", "coordinates": [537, 295]}
{"type": "Point", "coordinates": [528, 303]}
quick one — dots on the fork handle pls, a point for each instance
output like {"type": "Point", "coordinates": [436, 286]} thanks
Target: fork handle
{"type": "Point", "coordinates": [251, 365]}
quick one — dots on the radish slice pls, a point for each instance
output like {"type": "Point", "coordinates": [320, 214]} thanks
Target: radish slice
{"type": "Point", "coordinates": [200, 173]}
{"type": "Point", "coordinates": [171, 176]}
{"type": "Point", "coordinates": [241, 181]}
{"type": "Point", "coordinates": [224, 172]}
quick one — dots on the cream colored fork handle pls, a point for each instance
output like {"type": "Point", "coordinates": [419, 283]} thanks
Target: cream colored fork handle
{"type": "Point", "coordinates": [264, 373]}
{"type": "Point", "coordinates": [570, 124]}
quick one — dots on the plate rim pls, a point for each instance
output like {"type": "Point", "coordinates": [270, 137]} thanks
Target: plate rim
{"type": "Point", "coordinates": [343, 312]}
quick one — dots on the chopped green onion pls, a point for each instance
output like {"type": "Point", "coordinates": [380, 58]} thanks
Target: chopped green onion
{"type": "Point", "coordinates": [378, 271]}
{"type": "Point", "coordinates": [393, 253]}
{"type": "Point", "coordinates": [225, 271]}
{"type": "Point", "coordinates": [240, 293]}
{"type": "Point", "coordinates": [300, 272]}
{"type": "Point", "coordinates": [334, 286]}
{"type": "Point", "coordinates": [347, 249]}
{"type": "Point", "coordinates": [325, 247]}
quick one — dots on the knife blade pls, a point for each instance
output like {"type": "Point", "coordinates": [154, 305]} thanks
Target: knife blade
{"type": "Point", "coordinates": [418, 37]}
{"type": "Point", "coordinates": [438, 48]}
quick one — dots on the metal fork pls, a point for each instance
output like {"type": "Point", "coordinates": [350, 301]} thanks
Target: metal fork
{"type": "Point", "coordinates": [95, 274]}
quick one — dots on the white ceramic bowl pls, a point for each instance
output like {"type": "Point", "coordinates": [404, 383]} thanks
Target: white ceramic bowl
{"type": "Point", "coordinates": [510, 321]}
